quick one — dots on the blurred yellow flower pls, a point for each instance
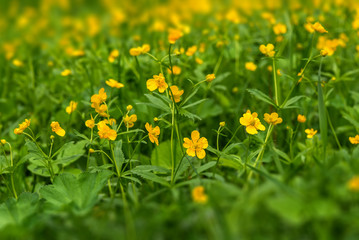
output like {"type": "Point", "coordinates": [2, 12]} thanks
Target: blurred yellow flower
{"type": "Point", "coordinates": [310, 132]}
{"type": "Point", "coordinates": [17, 63]}
{"type": "Point", "coordinates": [279, 28]}
{"type": "Point", "coordinates": [210, 77]}
{"type": "Point", "coordinates": [158, 81]}
{"type": "Point", "coordinates": [316, 27]}
{"type": "Point", "coordinates": [176, 70]}
{"type": "Point", "coordinates": [196, 145]}
{"type": "Point", "coordinates": [3, 141]}
{"type": "Point", "coordinates": [354, 140]}
{"type": "Point", "coordinates": [153, 133]}
{"type": "Point", "coordinates": [272, 118]}
{"type": "Point", "coordinates": [140, 50]}
{"type": "Point", "coordinates": [222, 124]}
{"type": "Point", "coordinates": [130, 120]}
{"type": "Point", "coordinates": [251, 122]}
{"type": "Point", "coordinates": [72, 107]}
{"type": "Point", "coordinates": [199, 61]}
{"type": "Point", "coordinates": [176, 93]}
{"type": "Point", "coordinates": [66, 72]}
{"type": "Point", "coordinates": [174, 35]}
{"type": "Point", "coordinates": [301, 118]}
{"type": "Point", "coordinates": [57, 129]}
{"type": "Point", "coordinates": [114, 84]}
{"type": "Point", "coordinates": [113, 55]}
{"type": "Point", "coordinates": [191, 50]}
{"type": "Point", "coordinates": [198, 195]}
{"type": "Point", "coordinates": [129, 108]}
{"type": "Point", "coordinates": [250, 66]}
{"type": "Point", "coordinates": [90, 123]}
{"type": "Point", "coordinates": [353, 184]}
{"type": "Point", "coordinates": [22, 126]}
{"type": "Point", "coordinates": [267, 50]}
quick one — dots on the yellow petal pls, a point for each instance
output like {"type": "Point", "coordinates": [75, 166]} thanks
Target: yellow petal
{"type": "Point", "coordinates": [251, 130]}
{"type": "Point", "coordinates": [201, 154]}
{"type": "Point", "coordinates": [195, 136]}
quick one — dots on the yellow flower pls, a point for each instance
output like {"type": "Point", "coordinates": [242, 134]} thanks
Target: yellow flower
{"type": "Point", "coordinates": [354, 140]}
{"type": "Point", "coordinates": [301, 118]}
{"type": "Point", "coordinates": [310, 132]}
{"type": "Point", "coordinates": [3, 141]}
{"type": "Point", "coordinates": [57, 129]}
{"type": "Point", "coordinates": [114, 84]}
{"type": "Point", "coordinates": [353, 184]}
{"type": "Point", "coordinates": [267, 50]}
{"type": "Point", "coordinates": [155, 119]}
{"type": "Point", "coordinates": [222, 124]}
{"type": "Point", "coordinates": [153, 133]}
{"type": "Point", "coordinates": [279, 28]}
{"type": "Point", "coordinates": [105, 132]}
{"type": "Point", "coordinates": [17, 63]}
{"type": "Point", "coordinates": [174, 35]}
{"type": "Point", "coordinates": [195, 146]}
{"type": "Point", "coordinates": [191, 50]}
{"type": "Point", "coordinates": [158, 81]}
{"type": "Point", "coordinates": [96, 101]}
{"type": "Point", "coordinates": [250, 66]}
{"type": "Point", "coordinates": [176, 93]}
{"type": "Point", "coordinates": [22, 126]}
{"type": "Point", "coordinates": [199, 61]}
{"type": "Point", "coordinates": [316, 27]}
{"type": "Point", "coordinates": [140, 50]}
{"type": "Point", "coordinates": [91, 150]}
{"type": "Point", "coordinates": [272, 118]}
{"type": "Point", "coordinates": [66, 72]}
{"type": "Point", "coordinates": [324, 52]}
{"type": "Point", "coordinates": [251, 122]}
{"type": "Point", "coordinates": [113, 55]}
{"type": "Point", "coordinates": [90, 123]}
{"type": "Point", "coordinates": [210, 77]}
{"type": "Point", "coordinates": [129, 108]}
{"type": "Point", "coordinates": [198, 195]}
{"type": "Point", "coordinates": [129, 120]}
{"type": "Point", "coordinates": [176, 70]}
{"type": "Point", "coordinates": [72, 107]}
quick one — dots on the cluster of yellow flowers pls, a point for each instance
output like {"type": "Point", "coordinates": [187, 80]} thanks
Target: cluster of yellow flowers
{"type": "Point", "coordinates": [22, 127]}
{"type": "Point", "coordinates": [136, 51]}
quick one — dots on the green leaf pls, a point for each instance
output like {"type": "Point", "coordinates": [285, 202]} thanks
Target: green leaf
{"type": "Point", "coordinates": [195, 103]}
{"type": "Point", "coordinates": [119, 157]}
{"type": "Point", "coordinates": [18, 211]}
{"type": "Point", "coordinates": [261, 96]}
{"type": "Point", "coordinates": [290, 102]}
{"type": "Point", "coordinates": [161, 155]}
{"type": "Point", "coordinates": [282, 155]}
{"type": "Point", "coordinates": [79, 194]}
{"type": "Point", "coordinates": [187, 114]}
{"type": "Point", "coordinates": [157, 102]}
{"type": "Point", "coordinates": [70, 153]}
{"type": "Point", "coordinates": [151, 176]}
{"type": "Point", "coordinates": [204, 167]}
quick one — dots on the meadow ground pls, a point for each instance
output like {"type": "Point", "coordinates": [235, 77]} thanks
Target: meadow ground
{"type": "Point", "coordinates": [179, 119]}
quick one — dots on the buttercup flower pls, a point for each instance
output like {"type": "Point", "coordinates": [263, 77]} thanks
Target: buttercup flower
{"type": "Point", "coordinates": [129, 108]}
{"type": "Point", "coordinates": [353, 184]}
{"type": "Point", "coordinates": [153, 133]}
{"type": "Point", "coordinates": [191, 50]}
{"type": "Point", "coordinates": [129, 120]}
{"type": "Point", "coordinates": [158, 81]}
{"type": "Point", "coordinates": [176, 70]}
{"type": "Point", "coordinates": [210, 77]}
{"type": "Point", "coordinates": [199, 61]}
{"type": "Point", "coordinates": [354, 140]}
{"type": "Point", "coordinates": [57, 129]}
{"type": "Point", "coordinates": [267, 50]}
{"type": "Point", "coordinates": [301, 118]}
{"type": "Point", "coordinates": [251, 122]}
{"type": "Point", "coordinates": [195, 146]}
{"type": "Point", "coordinates": [310, 132]}
{"type": "Point", "coordinates": [198, 195]}
{"type": "Point", "coordinates": [97, 100]}
{"type": "Point", "coordinates": [316, 27]}
{"type": "Point", "coordinates": [140, 50]}
{"type": "Point", "coordinates": [114, 84]}
{"type": "Point", "coordinates": [105, 132]}
{"type": "Point", "coordinates": [272, 118]}
{"type": "Point", "coordinates": [3, 141]}
{"type": "Point", "coordinates": [66, 72]}
{"type": "Point", "coordinates": [17, 63]}
{"type": "Point", "coordinates": [176, 93]}
{"type": "Point", "coordinates": [22, 126]}
{"type": "Point", "coordinates": [174, 35]}
{"type": "Point", "coordinates": [279, 29]}
{"type": "Point", "coordinates": [72, 107]}
{"type": "Point", "coordinates": [250, 66]}
{"type": "Point", "coordinates": [113, 55]}
{"type": "Point", "coordinates": [222, 124]}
